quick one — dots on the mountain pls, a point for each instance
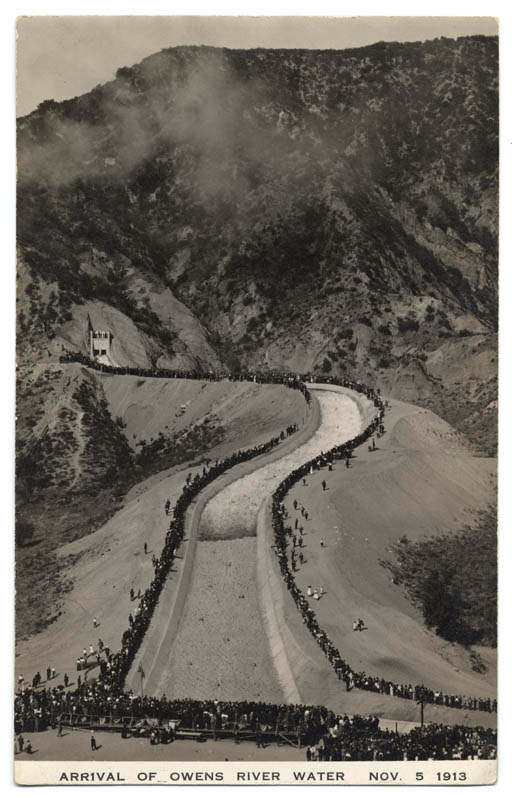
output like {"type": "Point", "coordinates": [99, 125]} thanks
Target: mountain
{"type": "Point", "coordinates": [333, 211]}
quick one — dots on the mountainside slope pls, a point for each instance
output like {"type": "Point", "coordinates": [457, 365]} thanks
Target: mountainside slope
{"type": "Point", "coordinates": [328, 210]}
{"type": "Point", "coordinates": [333, 211]}
{"type": "Point", "coordinates": [85, 439]}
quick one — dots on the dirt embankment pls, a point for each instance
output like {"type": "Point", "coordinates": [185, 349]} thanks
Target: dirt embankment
{"type": "Point", "coordinates": [244, 413]}
{"type": "Point", "coordinates": [420, 480]}
{"type": "Point", "coordinates": [103, 565]}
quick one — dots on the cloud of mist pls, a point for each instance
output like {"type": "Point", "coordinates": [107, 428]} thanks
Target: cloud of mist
{"type": "Point", "coordinates": [230, 128]}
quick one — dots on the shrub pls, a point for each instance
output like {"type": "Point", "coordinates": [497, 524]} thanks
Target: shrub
{"type": "Point", "coordinates": [407, 324]}
{"type": "Point", "coordinates": [346, 334]}
{"type": "Point", "coordinates": [453, 580]}
{"type": "Point", "coordinates": [24, 532]}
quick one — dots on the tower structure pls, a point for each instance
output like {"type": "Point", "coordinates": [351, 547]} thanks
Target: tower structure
{"type": "Point", "coordinates": [99, 341]}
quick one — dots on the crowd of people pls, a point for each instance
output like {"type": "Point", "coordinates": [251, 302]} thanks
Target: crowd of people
{"type": "Point", "coordinates": [271, 377]}
{"type": "Point", "coordinates": [114, 666]}
{"type": "Point", "coordinates": [361, 739]}
{"type": "Point", "coordinates": [328, 736]}
{"type": "Point", "coordinates": [37, 708]}
{"type": "Point", "coordinates": [283, 536]}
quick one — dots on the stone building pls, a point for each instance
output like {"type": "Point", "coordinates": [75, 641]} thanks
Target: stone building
{"type": "Point", "coordinates": [99, 341]}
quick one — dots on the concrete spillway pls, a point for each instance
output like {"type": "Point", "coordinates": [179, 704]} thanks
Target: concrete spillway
{"type": "Point", "coordinates": [219, 646]}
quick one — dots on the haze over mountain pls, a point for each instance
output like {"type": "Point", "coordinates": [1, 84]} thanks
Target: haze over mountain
{"type": "Point", "coordinates": [307, 210]}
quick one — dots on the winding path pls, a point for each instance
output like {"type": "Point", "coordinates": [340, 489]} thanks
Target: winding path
{"type": "Point", "coordinates": [212, 633]}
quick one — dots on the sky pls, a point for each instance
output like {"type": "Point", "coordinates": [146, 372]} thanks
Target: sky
{"type": "Point", "coordinates": [59, 57]}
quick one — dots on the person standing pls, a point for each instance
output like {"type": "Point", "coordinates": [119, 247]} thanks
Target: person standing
{"type": "Point", "coordinates": [94, 746]}
{"type": "Point", "coordinates": [21, 742]}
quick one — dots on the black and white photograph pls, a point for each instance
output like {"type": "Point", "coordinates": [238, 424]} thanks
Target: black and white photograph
{"type": "Point", "coordinates": [256, 400]}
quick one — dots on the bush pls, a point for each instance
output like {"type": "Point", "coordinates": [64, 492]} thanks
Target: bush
{"type": "Point", "coordinates": [24, 532]}
{"type": "Point", "coordinates": [453, 580]}
{"type": "Point", "coordinates": [407, 324]}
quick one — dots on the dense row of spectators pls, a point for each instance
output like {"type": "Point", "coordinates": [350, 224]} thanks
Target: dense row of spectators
{"type": "Point", "coordinates": [36, 708]}
{"type": "Point", "coordinates": [355, 741]}
{"type": "Point", "coordinates": [272, 377]}
{"type": "Point", "coordinates": [352, 678]}
{"type": "Point", "coordinates": [328, 736]}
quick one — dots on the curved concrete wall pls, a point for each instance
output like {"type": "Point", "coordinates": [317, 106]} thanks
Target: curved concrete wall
{"type": "Point", "coordinates": [160, 637]}
{"type": "Point", "coordinates": [290, 658]}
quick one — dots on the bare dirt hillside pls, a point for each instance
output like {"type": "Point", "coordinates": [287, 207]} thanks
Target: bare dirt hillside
{"type": "Point", "coordinates": [101, 567]}
{"type": "Point", "coordinates": [84, 440]}
{"type": "Point", "coordinates": [236, 411]}
{"type": "Point", "coordinates": [421, 480]}
{"type": "Point", "coordinates": [131, 346]}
